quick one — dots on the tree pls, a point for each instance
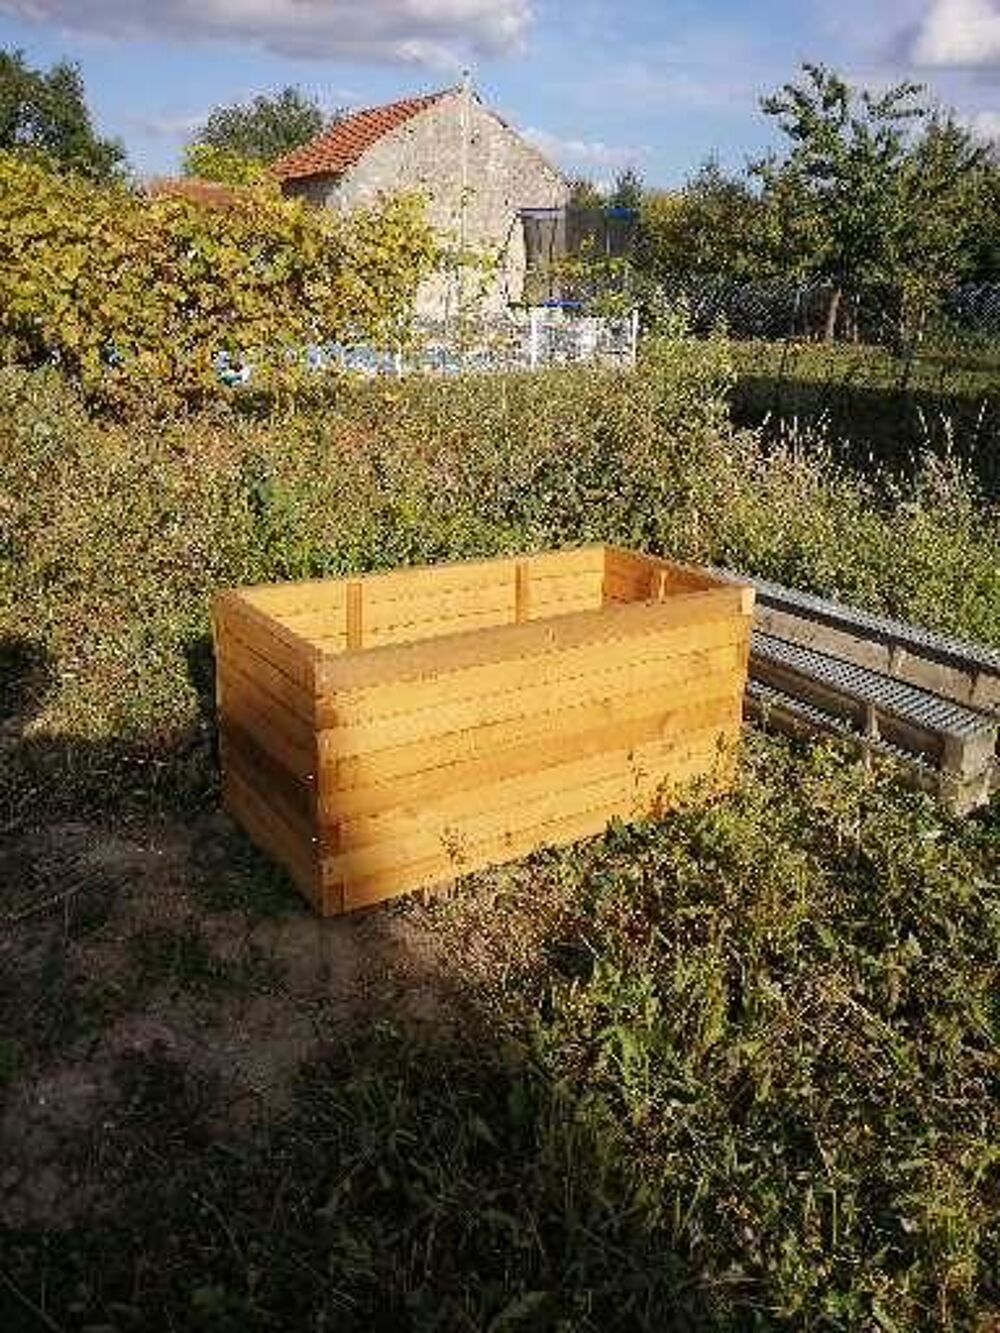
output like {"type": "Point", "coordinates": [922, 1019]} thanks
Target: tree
{"type": "Point", "coordinates": [709, 228]}
{"type": "Point", "coordinates": [208, 163]}
{"type": "Point", "coordinates": [45, 115]}
{"type": "Point", "coordinates": [265, 128]}
{"type": "Point", "coordinates": [983, 222]}
{"type": "Point", "coordinates": [583, 193]}
{"type": "Point", "coordinates": [944, 207]}
{"type": "Point", "coordinates": [627, 190]}
{"type": "Point", "coordinates": [858, 199]}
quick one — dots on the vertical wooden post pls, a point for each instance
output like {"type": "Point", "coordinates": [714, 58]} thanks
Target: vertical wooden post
{"type": "Point", "coordinates": [522, 604]}
{"type": "Point", "coordinates": [658, 585]}
{"type": "Point", "coordinates": [355, 628]}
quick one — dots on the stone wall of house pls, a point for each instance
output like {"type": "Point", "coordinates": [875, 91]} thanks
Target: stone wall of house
{"type": "Point", "coordinates": [504, 174]}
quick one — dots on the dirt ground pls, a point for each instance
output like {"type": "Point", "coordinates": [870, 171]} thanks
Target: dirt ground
{"type": "Point", "coordinates": [174, 948]}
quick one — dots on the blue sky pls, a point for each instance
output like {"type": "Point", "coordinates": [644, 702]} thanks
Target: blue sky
{"type": "Point", "coordinates": [656, 84]}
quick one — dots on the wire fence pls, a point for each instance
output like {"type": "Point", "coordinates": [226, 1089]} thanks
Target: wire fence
{"type": "Point", "coordinates": [778, 308]}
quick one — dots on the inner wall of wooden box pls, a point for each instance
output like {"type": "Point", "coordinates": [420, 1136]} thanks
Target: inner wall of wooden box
{"type": "Point", "coordinates": [406, 606]}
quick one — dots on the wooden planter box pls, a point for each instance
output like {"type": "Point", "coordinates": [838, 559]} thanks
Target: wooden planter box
{"type": "Point", "coordinates": [391, 732]}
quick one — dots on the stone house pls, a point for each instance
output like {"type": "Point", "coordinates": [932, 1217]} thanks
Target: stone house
{"type": "Point", "coordinates": [476, 172]}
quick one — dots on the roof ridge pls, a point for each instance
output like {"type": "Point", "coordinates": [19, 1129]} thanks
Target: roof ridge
{"type": "Point", "coordinates": [341, 144]}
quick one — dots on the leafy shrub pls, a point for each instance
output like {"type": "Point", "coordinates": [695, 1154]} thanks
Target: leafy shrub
{"type": "Point", "coordinates": [114, 537]}
{"type": "Point", "coordinates": [137, 298]}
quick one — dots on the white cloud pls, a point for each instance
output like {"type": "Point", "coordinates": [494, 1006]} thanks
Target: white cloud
{"type": "Point", "coordinates": [170, 126]}
{"type": "Point", "coordinates": [425, 32]}
{"type": "Point", "coordinates": [986, 124]}
{"type": "Point", "coordinates": [959, 33]}
{"type": "Point", "coordinates": [589, 157]}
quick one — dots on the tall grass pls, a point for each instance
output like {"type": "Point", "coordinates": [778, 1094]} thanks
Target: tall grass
{"type": "Point", "coordinates": [113, 538]}
{"type": "Point", "coordinates": [736, 1070]}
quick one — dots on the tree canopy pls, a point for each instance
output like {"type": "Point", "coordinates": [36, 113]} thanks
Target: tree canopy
{"type": "Point", "coordinates": [871, 194]}
{"type": "Point", "coordinates": [44, 115]}
{"type": "Point", "coordinates": [264, 128]}
{"type": "Point", "coordinates": [709, 227]}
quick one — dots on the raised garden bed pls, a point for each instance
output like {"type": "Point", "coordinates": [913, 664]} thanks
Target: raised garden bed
{"type": "Point", "coordinates": [391, 732]}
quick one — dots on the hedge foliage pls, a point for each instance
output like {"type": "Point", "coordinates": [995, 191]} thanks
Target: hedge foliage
{"type": "Point", "coordinates": [114, 536]}
{"type": "Point", "coordinates": [136, 298]}
{"type": "Point", "coordinates": [734, 1071]}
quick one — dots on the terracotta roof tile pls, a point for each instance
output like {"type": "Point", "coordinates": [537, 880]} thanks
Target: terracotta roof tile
{"type": "Point", "coordinates": [211, 193]}
{"type": "Point", "coordinates": [343, 143]}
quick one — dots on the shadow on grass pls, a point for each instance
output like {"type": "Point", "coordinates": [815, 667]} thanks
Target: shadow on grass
{"type": "Point", "coordinates": [45, 776]}
{"type": "Point", "coordinates": [885, 427]}
{"type": "Point", "coordinates": [421, 1180]}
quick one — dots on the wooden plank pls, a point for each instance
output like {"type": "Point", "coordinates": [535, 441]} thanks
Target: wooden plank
{"type": "Point", "coordinates": [273, 835]}
{"type": "Point", "coordinates": [611, 783]}
{"type": "Point", "coordinates": [294, 793]}
{"type": "Point", "coordinates": [572, 718]}
{"type": "Point", "coordinates": [676, 577]}
{"type": "Point", "coordinates": [294, 603]}
{"type": "Point", "coordinates": [288, 652]}
{"type": "Point", "coordinates": [404, 632]}
{"type": "Point", "coordinates": [522, 592]}
{"type": "Point", "coordinates": [523, 766]}
{"type": "Point", "coordinates": [289, 601]}
{"type": "Point", "coordinates": [452, 576]}
{"type": "Point", "coordinates": [423, 605]}
{"type": "Point", "coordinates": [467, 715]}
{"type": "Point", "coordinates": [522, 796]}
{"type": "Point", "coordinates": [355, 630]}
{"type": "Point", "coordinates": [626, 656]}
{"type": "Point", "coordinates": [594, 813]}
{"type": "Point", "coordinates": [425, 616]}
{"type": "Point", "coordinates": [234, 653]}
{"type": "Point", "coordinates": [508, 643]}
{"type": "Point", "coordinates": [716, 667]}
{"type": "Point", "coordinates": [284, 734]}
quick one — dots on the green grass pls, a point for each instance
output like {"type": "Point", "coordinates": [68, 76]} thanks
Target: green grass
{"type": "Point", "coordinates": [742, 1078]}
{"type": "Point", "coordinates": [872, 404]}
{"type": "Point", "coordinates": [734, 1071]}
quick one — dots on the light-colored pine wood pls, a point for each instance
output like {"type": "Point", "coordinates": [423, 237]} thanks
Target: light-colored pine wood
{"type": "Point", "coordinates": [390, 731]}
{"type": "Point", "coordinates": [355, 632]}
{"type": "Point", "coordinates": [509, 784]}
{"type": "Point", "coordinates": [284, 734]}
{"type": "Point", "coordinates": [439, 761]}
{"type": "Point", "coordinates": [619, 781]}
{"type": "Point", "coordinates": [413, 661]}
{"type": "Point", "coordinates": [522, 592]}
{"type": "Point", "coordinates": [625, 662]}
{"type": "Point", "coordinates": [291, 847]}
{"type": "Point", "coordinates": [287, 651]}
{"type": "Point", "coordinates": [374, 734]}
{"type": "Point", "coordinates": [232, 649]}
{"type": "Point", "coordinates": [415, 618]}
{"type": "Point", "coordinates": [293, 794]}
{"type": "Point", "coordinates": [596, 811]}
